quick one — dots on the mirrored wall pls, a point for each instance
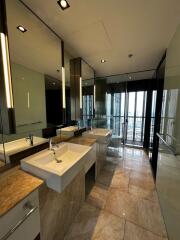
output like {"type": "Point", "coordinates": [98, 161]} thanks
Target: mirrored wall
{"type": "Point", "coordinates": [41, 84]}
{"type": "Point", "coordinates": [36, 71]}
{"type": "Point", "coordinates": [88, 76]}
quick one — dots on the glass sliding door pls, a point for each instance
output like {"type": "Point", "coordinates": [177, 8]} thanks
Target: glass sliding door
{"type": "Point", "coordinates": [87, 107]}
{"type": "Point", "coordinates": [115, 111]}
{"type": "Point", "coordinates": [140, 116]}
{"type": "Point", "coordinates": [126, 116]}
{"type": "Point", "coordinates": [131, 117]}
{"type": "Point", "coordinates": [135, 119]}
{"type": "Point", "coordinates": [153, 112]}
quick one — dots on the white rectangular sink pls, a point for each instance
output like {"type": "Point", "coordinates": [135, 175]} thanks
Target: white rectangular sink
{"type": "Point", "coordinates": [67, 131]}
{"type": "Point", "coordinates": [57, 174]}
{"type": "Point", "coordinates": [100, 134]}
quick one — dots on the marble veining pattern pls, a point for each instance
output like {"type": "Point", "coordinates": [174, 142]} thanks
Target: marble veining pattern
{"type": "Point", "coordinates": [123, 203]}
{"type": "Point", "coordinates": [57, 210]}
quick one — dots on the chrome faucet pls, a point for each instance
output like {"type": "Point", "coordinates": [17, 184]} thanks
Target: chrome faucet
{"type": "Point", "coordinates": [50, 143]}
{"type": "Point", "coordinates": [51, 148]}
{"type": "Point", "coordinates": [54, 153]}
{"type": "Point", "coordinates": [30, 138]}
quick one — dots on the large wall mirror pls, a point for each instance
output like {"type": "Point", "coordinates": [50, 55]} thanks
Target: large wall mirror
{"type": "Point", "coordinates": [36, 69]}
{"type": "Point", "coordinates": [88, 75]}
{"type": "Point", "coordinates": [82, 91]}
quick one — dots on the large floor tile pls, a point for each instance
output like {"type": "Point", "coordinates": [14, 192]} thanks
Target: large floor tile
{"type": "Point", "coordinates": [120, 179]}
{"type": "Point", "coordinates": [134, 232]}
{"type": "Point", "coordinates": [136, 166]}
{"type": "Point", "coordinates": [142, 179]}
{"type": "Point", "coordinates": [143, 193]}
{"type": "Point", "coordinates": [150, 217]}
{"type": "Point", "coordinates": [114, 152]}
{"type": "Point", "coordinates": [98, 196]}
{"type": "Point", "coordinates": [105, 177]}
{"type": "Point", "coordinates": [93, 223]}
{"type": "Point", "coordinates": [142, 212]}
{"type": "Point", "coordinates": [110, 165]}
{"type": "Point", "coordinates": [122, 204]}
{"type": "Point", "coordinates": [124, 193]}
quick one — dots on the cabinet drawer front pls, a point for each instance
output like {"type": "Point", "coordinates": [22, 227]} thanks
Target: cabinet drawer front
{"type": "Point", "coordinates": [22, 221]}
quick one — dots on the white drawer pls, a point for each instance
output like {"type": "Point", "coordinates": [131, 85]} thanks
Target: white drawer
{"type": "Point", "coordinates": [23, 221]}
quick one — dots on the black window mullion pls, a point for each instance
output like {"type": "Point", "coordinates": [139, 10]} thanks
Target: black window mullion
{"type": "Point", "coordinates": [135, 106]}
{"type": "Point", "coordinates": [142, 125]}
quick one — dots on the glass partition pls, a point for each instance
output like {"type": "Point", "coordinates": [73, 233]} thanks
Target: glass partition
{"type": "Point", "coordinates": [125, 103]}
{"type": "Point", "coordinates": [168, 169]}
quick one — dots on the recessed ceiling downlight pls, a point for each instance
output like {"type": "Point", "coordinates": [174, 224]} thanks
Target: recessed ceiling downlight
{"type": "Point", "coordinates": [63, 4]}
{"type": "Point", "coordinates": [103, 60]}
{"type": "Point", "coordinates": [130, 55]}
{"type": "Point", "coordinates": [21, 28]}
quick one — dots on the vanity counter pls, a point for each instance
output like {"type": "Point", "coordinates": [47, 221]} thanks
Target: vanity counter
{"type": "Point", "coordinates": [15, 185]}
{"type": "Point", "coordinates": [83, 141]}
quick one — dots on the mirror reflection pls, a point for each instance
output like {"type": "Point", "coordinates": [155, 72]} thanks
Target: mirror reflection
{"type": "Point", "coordinates": [88, 75]}
{"type": "Point", "coordinates": [2, 156]}
{"type": "Point", "coordinates": [36, 68]}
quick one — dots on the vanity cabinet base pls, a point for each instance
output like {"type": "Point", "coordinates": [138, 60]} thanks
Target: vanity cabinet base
{"type": "Point", "coordinates": [57, 210]}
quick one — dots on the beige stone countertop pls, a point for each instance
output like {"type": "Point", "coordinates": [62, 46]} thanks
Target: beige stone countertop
{"type": "Point", "coordinates": [15, 185]}
{"type": "Point", "coordinates": [83, 140]}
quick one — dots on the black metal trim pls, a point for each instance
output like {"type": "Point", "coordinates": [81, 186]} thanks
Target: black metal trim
{"type": "Point", "coordinates": [126, 73]}
{"type": "Point", "coordinates": [40, 19]}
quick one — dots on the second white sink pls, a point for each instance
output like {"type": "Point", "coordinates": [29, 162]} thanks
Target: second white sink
{"type": "Point", "coordinates": [100, 134]}
{"type": "Point", "coordinates": [57, 174]}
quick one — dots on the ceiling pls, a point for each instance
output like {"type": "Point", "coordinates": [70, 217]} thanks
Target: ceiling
{"type": "Point", "coordinates": [112, 29]}
{"type": "Point", "coordinates": [37, 49]}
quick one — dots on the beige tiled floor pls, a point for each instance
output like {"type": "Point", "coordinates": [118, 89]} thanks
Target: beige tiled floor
{"type": "Point", "coordinates": [123, 204]}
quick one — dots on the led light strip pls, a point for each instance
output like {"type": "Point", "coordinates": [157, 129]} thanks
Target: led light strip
{"type": "Point", "coordinates": [28, 99]}
{"type": "Point", "coordinates": [94, 97]}
{"type": "Point", "coordinates": [80, 92]}
{"type": "Point", "coordinates": [63, 88]}
{"type": "Point", "coordinates": [6, 69]}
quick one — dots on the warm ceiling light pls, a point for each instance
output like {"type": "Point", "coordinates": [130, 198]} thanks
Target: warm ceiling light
{"type": "Point", "coordinates": [130, 55]}
{"type": "Point", "coordinates": [63, 4]}
{"type": "Point", "coordinates": [103, 60]}
{"type": "Point", "coordinates": [21, 28]}
{"type": "Point", "coordinates": [63, 88]}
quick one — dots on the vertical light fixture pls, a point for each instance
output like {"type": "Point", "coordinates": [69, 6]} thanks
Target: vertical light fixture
{"type": "Point", "coordinates": [28, 99]}
{"type": "Point", "coordinates": [6, 70]}
{"type": "Point", "coordinates": [63, 79]}
{"type": "Point", "coordinates": [80, 92]}
{"type": "Point", "coordinates": [94, 97]}
{"type": "Point", "coordinates": [63, 88]}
